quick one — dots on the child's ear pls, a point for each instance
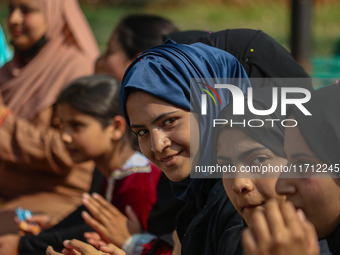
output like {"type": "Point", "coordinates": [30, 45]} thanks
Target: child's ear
{"type": "Point", "coordinates": [119, 127]}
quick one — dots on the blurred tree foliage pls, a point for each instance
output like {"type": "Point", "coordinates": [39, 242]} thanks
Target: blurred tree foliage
{"type": "Point", "coordinates": [143, 3]}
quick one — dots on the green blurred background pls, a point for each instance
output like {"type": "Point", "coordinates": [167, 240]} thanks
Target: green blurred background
{"type": "Point", "coordinates": [271, 16]}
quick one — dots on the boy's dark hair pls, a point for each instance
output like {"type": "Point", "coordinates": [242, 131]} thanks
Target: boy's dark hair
{"type": "Point", "coordinates": [138, 32]}
{"type": "Point", "coordinates": [97, 96]}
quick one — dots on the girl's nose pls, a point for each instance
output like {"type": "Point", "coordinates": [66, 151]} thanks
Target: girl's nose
{"type": "Point", "coordinates": [285, 186]}
{"type": "Point", "coordinates": [15, 17]}
{"type": "Point", "coordinates": [66, 137]}
{"type": "Point", "coordinates": [159, 141]}
{"type": "Point", "coordinates": [243, 185]}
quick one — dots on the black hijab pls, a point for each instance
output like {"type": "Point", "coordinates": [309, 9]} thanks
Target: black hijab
{"type": "Point", "coordinates": [322, 130]}
{"type": "Point", "coordinates": [322, 134]}
{"type": "Point", "coordinates": [271, 134]}
{"type": "Point", "coordinates": [260, 55]}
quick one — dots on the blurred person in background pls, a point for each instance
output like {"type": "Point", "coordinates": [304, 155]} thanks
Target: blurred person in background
{"type": "Point", "coordinates": [133, 34]}
{"type": "Point", "coordinates": [53, 45]}
{"type": "Point", "coordinates": [138, 32]}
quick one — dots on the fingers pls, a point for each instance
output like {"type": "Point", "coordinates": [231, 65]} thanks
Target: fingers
{"type": "Point", "coordinates": [105, 204]}
{"type": "Point", "coordinates": [66, 251]}
{"type": "Point", "coordinates": [249, 242]}
{"type": "Point", "coordinates": [279, 229]}
{"type": "Point", "coordinates": [112, 249]}
{"type": "Point", "coordinates": [131, 214]}
{"type": "Point", "coordinates": [94, 239]}
{"type": "Point", "coordinates": [50, 251]}
{"type": "Point", "coordinates": [74, 247]}
{"type": "Point", "coordinates": [92, 235]}
{"type": "Point", "coordinates": [102, 210]}
{"type": "Point", "coordinates": [310, 232]}
{"type": "Point", "coordinates": [133, 224]}
{"type": "Point", "coordinates": [274, 218]}
{"type": "Point", "coordinates": [43, 220]}
{"type": "Point", "coordinates": [94, 208]}
{"type": "Point", "coordinates": [81, 247]}
{"type": "Point", "coordinates": [260, 227]}
{"type": "Point", "coordinates": [101, 203]}
{"type": "Point", "coordinates": [96, 225]}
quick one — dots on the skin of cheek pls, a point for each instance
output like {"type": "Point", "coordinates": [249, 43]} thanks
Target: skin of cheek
{"type": "Point", "coordinates": [32, 25]}
{"type": "Point", "coordinates": [315, 199]}
{"type": "Point", "coordinates": [194, 134]}
{"type": "Point", "coordinates": [319, 198]}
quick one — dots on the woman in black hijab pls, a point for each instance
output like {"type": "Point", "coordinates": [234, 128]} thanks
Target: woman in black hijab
{"type": "Point", "coordinates": [242, 147]}
{"type": "Point", "coordinates": [255, 145]}
{"type": "Point", "coordinates": [313, 144]}
{"type": "Point", "coordinates": [260, 55]}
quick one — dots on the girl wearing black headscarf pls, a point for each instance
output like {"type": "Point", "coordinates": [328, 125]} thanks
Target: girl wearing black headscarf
{"type": "Point", "coordinates": [253, 146]}
{"type": "Point", "coordinates": [314, 142]}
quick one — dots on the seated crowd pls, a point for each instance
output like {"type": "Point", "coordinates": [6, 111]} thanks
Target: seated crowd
{"type": "Point", "coordinates": [100, 151]}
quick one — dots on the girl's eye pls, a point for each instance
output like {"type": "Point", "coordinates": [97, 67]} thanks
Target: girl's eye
{"type": "Point", "coordinates": [77, 126]}
{"type": "Point", "coordinates": [27, 9]}
{"type": "Point", "coordinates": [169, 122]}
{"type": "Point", "coordinates": [259, 160]}
{"type": "Point", "coordinates": [141, 132]}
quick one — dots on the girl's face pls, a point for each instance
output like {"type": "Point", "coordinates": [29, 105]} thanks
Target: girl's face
{"type": "Point", "coordinates": [319, 198]}
{"type": "Point", "coordinates": [163, 132]}
{"type": "Point", "coordinates": [26, 23]}
{"type": "Point", "coordinates": [84, 137]}
{"type": "Point", "coordinates": [236, 148]}
{"type": "Point", "coordinates": [114, 61]}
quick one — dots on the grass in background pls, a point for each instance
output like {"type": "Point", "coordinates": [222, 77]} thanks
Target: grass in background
{"type": "Point", "coordinates": [273, 17]}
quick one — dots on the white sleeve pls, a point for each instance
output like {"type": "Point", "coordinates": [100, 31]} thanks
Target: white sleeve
{"type": "Point", "coordinates": [135, 244]}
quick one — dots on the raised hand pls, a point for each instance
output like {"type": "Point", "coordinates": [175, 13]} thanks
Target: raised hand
{"type": "Point", "coordinates": [279, 230]}
{"type": "Point", "coordinates": [113, 226]}
{"type": "Point", "coordinates": [95, 239]}
{"type": "Point", "coordinates": [43, 220]}
{"type": "Point", "coordinates": [76, 247]}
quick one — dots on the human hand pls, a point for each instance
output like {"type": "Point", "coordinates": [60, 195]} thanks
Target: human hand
{"type": "Point", "coordinates": [95, 239]}
{"type": "Point", "coordinates": [9, 244]}
{"type": "Point", "coordinates": [113, 226]}
{"type": "Point", "coordinates": [44, 221]}
{"type": "Point", "coordinates": [279, 230]}
{"type": "Point", "coordinates": [32, 224]}
{"type": "Point", "coordinates": [112, 250]}
{"type": "Point", "coordinates": [76, 247]}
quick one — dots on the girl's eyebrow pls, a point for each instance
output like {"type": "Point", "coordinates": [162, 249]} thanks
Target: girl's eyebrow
{"type": "Point", "coordinates": [161, 116]}
{"type": "Point", "coordinates": [248, 152]}
{"type": "Point", "coordinates": [243, 155]}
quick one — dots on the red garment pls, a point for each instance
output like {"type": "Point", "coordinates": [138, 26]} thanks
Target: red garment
{"type": "Point", "coordinates": [139, 190]}
{"type": "Point", "coordinates": [162, 248]}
